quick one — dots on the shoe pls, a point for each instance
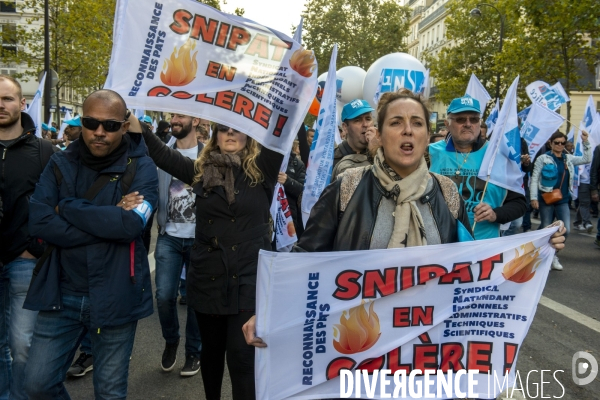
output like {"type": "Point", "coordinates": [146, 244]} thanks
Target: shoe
{"type": "Point", "coordinates": [182, 300]}
{"type": "Point", "coordinates": [556, 265]}
{"type": "Point", "coordinates": [578, 227]}
{"type": "Point", "coordinates": [589, 227]}
{"type": "Point", "coordinates": [81, 366]}
{"type": "Point", "coordinates": [191, 367]}
{"type": "Point", "coordinates": [169, 357]}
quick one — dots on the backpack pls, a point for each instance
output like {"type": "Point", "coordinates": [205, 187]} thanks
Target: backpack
{"type": "Point", "coordinates": [46, 151]}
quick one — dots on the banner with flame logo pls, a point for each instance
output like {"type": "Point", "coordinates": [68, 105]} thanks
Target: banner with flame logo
{"type": "Point", "coordinates": [454, 307]}
{"type": "Point", "coordinates": [183, 56]}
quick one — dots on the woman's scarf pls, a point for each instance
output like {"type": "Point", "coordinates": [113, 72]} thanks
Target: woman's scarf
{"type": "Point", "coordinates": [218, 171]}
{"type": "Point", "coordinates": [409, 230]}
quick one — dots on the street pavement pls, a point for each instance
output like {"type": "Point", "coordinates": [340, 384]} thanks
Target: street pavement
{"type": "Point", "coordinates": [567, 321]}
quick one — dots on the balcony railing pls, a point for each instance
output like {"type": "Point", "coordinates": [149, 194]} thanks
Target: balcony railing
{"type": "Point", "coordinates": [431, 17]}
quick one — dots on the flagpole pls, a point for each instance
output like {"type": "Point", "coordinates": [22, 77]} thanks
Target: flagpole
{"type": "Point", "coordinates": [482, 197]}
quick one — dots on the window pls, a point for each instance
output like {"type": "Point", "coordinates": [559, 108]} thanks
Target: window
{"type": "Point", "coordinates": [8, 6]}
{"type": "Point", "coordinates": [8, 37]}
{"type": "Point", "coordinates": [8, 71]}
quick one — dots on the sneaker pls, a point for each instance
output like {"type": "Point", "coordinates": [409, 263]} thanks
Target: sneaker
{"type": "Point", "coordinates": [191, 367]}
{"type": "Point", "coordinates": [182, 300]}
{"type": "Point", "coordinates": [578, 227]}
{"type": "Point", "coordinates": [169, 357]}
{"type": "Point", "coordinates": [556, 265]}
{"type": "Point", "coordinates": [81, 366]}
{"type": "Point", "coordinates": [589, 227]}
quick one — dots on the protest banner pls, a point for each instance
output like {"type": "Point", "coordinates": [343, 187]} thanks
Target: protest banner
{"type": "Point", "coordinates": [183, 56]}
{"type": "Point", "coordinates": [453, 308]}
{"type": "Point", "coordinates": [540, 124]}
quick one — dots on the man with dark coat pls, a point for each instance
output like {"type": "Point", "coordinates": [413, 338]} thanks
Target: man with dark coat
{"type": "Point", "coordinates": [22, 159]}
{"type": "Point", "coordinates": [97, 279]}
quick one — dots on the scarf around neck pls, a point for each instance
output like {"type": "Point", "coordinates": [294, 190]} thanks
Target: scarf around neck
{"type": "Point", "coordinates": [409, 230]}
{"type": "Point", "coordinates": [218, 171]}
{"type": "Point", "coordinates": [100, 163]}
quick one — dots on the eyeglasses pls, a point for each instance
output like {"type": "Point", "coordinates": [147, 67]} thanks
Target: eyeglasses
{"type": "Point", "coordinates": [109, 125]}
{"type": "Point", "coordinates": [462, 120]}
{"type": "Point", "coordinates": [560, 143]}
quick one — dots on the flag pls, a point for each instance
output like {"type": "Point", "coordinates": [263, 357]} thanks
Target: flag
{"type": "Point", "coordinates": [453, 307]}
{"type": "Point", "coordinates": [284, 231]}
{"type": "Point", "coordinates": [138, 113]}
{"type": "Point", "coordinates": [35, 108]}
{"type": "Point", "coordinates": [298, 33]}
{"type": "Point", "coordinates": [492, 118]}
{"type": "Point", "coordinates": [591, 122]}
{"type": "Point", "coordinates": [591, 125]}
{"type": "Point", "coordinates": [551, 97]}
{"type": "Point", "coordinates": [541, 123]}
{"type": "Point", "coordinates": [425, 87]}
{"type": "Point", "coordinates": [577, 152]}
{"type": "Point", "coordinates": [320, 160]}
{"type": "Point", "coordinates": [378, 92]}
{"type": "Point", "coordinates": [571, 134]}
{"type": "Point", "coordinates": [154, 125]}
{"type": "Point", "coordinates": [502, 160]}
{"type": "Point", "coordinates": [63, 125]}
{"type": "Point", "coordinates": [476, 90]}
{"type": "Point", "coordinates": [524, 113]}
{"type": "Point", "coordinates": [186, 57]}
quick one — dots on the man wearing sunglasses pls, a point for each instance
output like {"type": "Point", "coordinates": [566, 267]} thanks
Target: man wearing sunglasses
{"type": "Point", "coordinates": [459, 158]}
{"type": "Point", "coordinates": [97, 278]}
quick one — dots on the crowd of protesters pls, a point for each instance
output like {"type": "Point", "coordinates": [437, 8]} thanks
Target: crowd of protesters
{"type": "Point", "coordinates": [75, 218]}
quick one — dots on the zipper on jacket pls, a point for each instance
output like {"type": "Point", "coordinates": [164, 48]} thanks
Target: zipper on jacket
{"type": "Point", "coordinates": [4, 154]}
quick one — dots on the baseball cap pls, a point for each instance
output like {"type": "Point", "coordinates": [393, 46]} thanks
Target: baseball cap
{"type": "Point", "coordinates": [147, 119]}
{"type": "Point", "coordinates": [44, 127]}
{"type": "Point", "coordinates": [355, 108]}
{"type": "Point", "coordinates": [463, 104]}
{"type": "Point", "coordinates": [52, 129]}
{"type": "Point", "coordinates": [73, 121]}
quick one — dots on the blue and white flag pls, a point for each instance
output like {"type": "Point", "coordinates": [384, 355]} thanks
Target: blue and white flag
{"type": "Point", "coordinates": [577, 152]}
{"type": "Point", "coordinates": [425, 88]}
{"type": "Point", "coordinates": [571, 134]}
{"type": "Point", "coordinates": [298, 33]}
{"type": "Point", "coordinates": [502, 160]}
{"type": "Point", "coordinates": [476, 90]}
{"type": "Point", "coordinates": [591, 122]}
{"type": "Point", "coordinates": [551, 97]}
{"type": "Point", "coordinates": [320, 160]}
{"type": "Point", "coordinates": [35, 108]}
{"type": "Point", "coordinates": [591, 125]}
{"type": "Point", "coordinates": [524, 113]}
{"type": "Point", "coordinates": [63, 126]}
{"type": "Point", "coordinates": [541, 123]}
{"type": "Point", "coordinates": [378, 91]}
{"type": "Point", "coordinates": [492, 118]}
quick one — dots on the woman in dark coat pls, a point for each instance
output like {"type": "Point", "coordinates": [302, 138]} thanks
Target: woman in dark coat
{"type": "Point", "coordinates": [233, 180]}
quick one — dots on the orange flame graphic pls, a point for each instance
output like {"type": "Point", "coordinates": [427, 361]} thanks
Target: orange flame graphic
{"type": "Point", "coordinates": [303, 62]}
{"type": "Point", "coordinates": [522, 268]}
{"type": "Point", "coordinates": [358, 332]}
{"type": "Point", "coordinates": [180, 68]}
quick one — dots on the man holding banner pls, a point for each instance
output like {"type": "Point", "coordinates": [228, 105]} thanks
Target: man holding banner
{"type": "Point", "coordinates": [460, 159]}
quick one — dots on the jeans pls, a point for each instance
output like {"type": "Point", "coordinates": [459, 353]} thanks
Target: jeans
{"type": "Point", "coordinates": [222, 336]}
{"type": "Point", "coordinates": [171, 253]}
{"type": "Point", "coordinates": [55, 339]}
{"type": "Point", "coordinates": [584, 216]}
{"type": "Point", "coordinates": [86, 344]}
{"type": "Point", "coordinates": [514, 227]}
{"type": "Point", "coordinates": [561, 211]}
{"type": "Point", "coordinates": [16, 326]}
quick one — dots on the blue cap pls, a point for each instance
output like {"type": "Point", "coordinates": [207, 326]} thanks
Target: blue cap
{"type": "Point", "coordinates": [355, 108]}
{"type": "Point", "coordinates": [549, 176]}
{"type": "Point", "coordinates": [52, 129]}
{"type": "Point", "coordinates": [146, 118]}
{"type": "Point", "coordinates": [73, 121]}
{"type": "Point", "coordinates": [44, 126]}
{"type": "Point", "coordinates": [464, 104]}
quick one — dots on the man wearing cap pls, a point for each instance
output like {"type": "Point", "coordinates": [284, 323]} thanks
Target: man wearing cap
{"type": "Point", "coordinates": [73, 129]}
{"type": "Point", "coordinates": [459, 158]}
{"type": "Point", "coordinates": [148, 121]}
{"type": "Point", "coordinates": [356, 120]}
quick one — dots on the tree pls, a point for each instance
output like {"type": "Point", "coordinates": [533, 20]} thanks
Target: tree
{"type": "Point", "coordinates": [216, 4]}
{"type": "Point", "coordinates": [556, 42]}
{"type": "Point", "coordinates": [80, 42]}
{"type": "Point", "coordinates": [364, 30]}
{"type": "Point", "coordinates": [474, 49]}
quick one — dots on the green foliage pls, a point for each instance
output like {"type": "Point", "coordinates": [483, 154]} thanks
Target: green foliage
{"type": "Point", "coordinates": [364, 30]}
{"type": "Point", "coordinates": [80, 41]}
{"type": "Point", "coordinates": [213, 3]}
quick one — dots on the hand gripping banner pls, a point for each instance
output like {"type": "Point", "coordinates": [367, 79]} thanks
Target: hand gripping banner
{"type": "Point", "coordinates": [443, 309]}
{"type": "Point", "coordinates": [185, 57]}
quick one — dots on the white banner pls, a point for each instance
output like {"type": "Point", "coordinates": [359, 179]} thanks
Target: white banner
{"type": "Point", "coordinates": [320, 160]}
{"type": "Point", "coordinates": [551, 97]}
{"type": "Point", "coordinates": [476, 90]}
{"type": "Point", "coordinates": [183, 56]}
{"type": "Point", "coordinates": [540, 124]}
{"type": "Point", "coordinates": [456, 307]}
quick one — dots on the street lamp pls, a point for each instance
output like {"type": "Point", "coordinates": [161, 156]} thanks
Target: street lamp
{"type": "Point", "coordinates": [476, 12]}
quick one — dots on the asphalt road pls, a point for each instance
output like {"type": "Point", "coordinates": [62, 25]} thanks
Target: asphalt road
{"type": "Point", "coordinates": [553, 339]}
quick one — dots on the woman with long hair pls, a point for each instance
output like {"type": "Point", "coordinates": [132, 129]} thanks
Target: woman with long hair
{"type": "Point", "coordinates": [554, 171]}
{"type": "Point", "coordinates": [233, 180]}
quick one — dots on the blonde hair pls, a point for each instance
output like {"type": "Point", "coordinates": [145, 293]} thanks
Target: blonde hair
{"type": "Point", "coordinates": [248, 157]}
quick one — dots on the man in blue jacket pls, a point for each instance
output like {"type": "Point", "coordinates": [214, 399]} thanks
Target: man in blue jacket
{"type": "Point", "coordinates": [97, 279]}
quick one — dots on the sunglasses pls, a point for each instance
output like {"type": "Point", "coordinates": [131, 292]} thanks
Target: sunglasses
{"type": "Point", "coordinates": [462, 120]}
{"type": "Point", "coordinates": [559, 143]}
{"type": "Point", "coordinates": [225, 128]}
{"type": "Point", "coordinates": [109, 125]}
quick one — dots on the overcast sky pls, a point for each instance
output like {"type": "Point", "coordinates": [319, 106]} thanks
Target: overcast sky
{"type": "Point", "coordinates": [276, 14]}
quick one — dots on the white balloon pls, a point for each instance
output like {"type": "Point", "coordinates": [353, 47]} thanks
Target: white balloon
{"type": "Point", "coordinates": [402, 71]}
{"type": "Point", "coordinates": [350, 83]}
